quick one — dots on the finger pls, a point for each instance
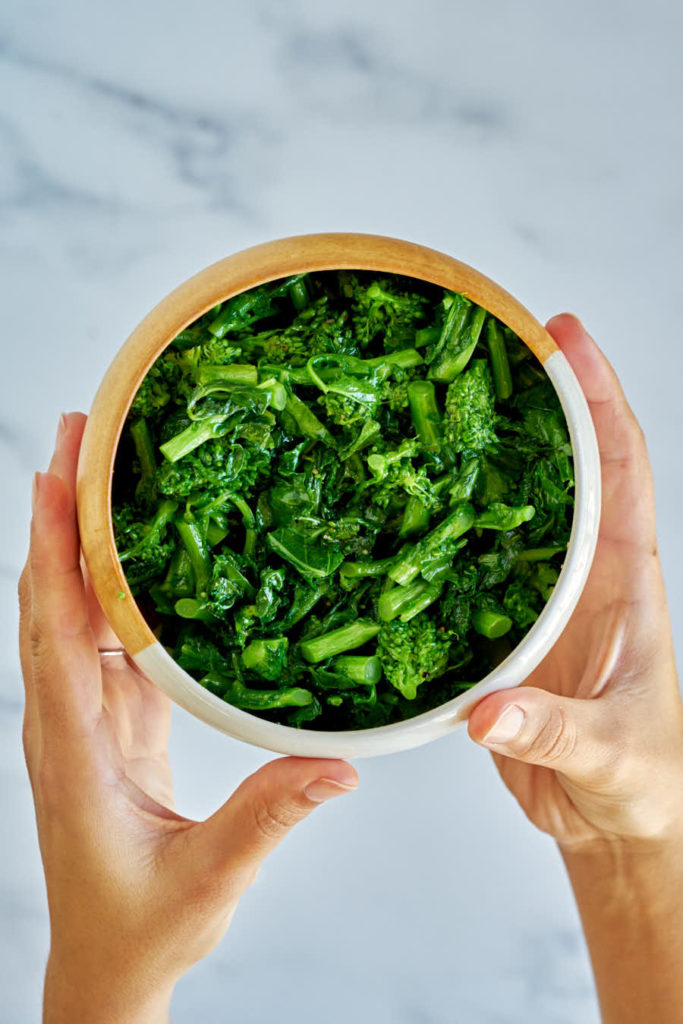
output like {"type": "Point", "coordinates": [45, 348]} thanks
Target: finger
{"type": "Point", "coordinates": [31, 725]}
{"type": "Point", "coordinates": [627, 490]}
{"type": "Point", "coordinates": [62, 464]}
{"type": "Point", "coordinates": [67, 446]}
{"type": "Point", "coordinates": [542, 728]}
{"type": "Point", "coordinates": [65, 666]}
{"type": "Point", "coordinates": [105, 636]}
{"type": "Point", "coordinates": [260, 813]}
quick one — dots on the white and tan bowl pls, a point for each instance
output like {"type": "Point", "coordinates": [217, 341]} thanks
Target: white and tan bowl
{"type": "Point", "coordinates": [246, 270]}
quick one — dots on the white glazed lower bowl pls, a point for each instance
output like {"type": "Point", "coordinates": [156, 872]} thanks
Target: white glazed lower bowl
{"type": "Point", "coordinates": [229, 277]}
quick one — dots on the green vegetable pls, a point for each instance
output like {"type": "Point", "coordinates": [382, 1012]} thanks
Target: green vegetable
{"type": "Point", "coordinates": [342, 498]}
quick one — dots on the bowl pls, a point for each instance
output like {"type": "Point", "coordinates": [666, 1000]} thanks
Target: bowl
{"type": "Point", "coordinates": [220, 281]}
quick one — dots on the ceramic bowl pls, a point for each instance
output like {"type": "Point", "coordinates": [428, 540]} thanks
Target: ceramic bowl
{"type": "Point", "coordinates": [200, 293]}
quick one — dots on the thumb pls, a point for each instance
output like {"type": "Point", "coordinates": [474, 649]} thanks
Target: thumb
{"type": "Point", "coordinates": [532, 725]}
{"type": "Point", "coordinates": [267, 805]}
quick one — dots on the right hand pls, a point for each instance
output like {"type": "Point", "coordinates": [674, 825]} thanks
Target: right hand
{"type": "Point", "coordinates": [592, 745]}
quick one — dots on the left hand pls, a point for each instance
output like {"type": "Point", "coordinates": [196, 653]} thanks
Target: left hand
{"type": "Point", "coordinates": [137, 893]}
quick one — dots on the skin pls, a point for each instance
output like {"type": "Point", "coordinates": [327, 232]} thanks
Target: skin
{"type": "Point", "coordinates": [137, 893]}
{"type": "Point", "coordinates": [591, 747]}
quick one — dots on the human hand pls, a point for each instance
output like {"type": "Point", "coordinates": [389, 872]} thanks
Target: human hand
{"type": "Point", "coordinates": [592, 744]}
{"type": "Point", "coordinates": [137, 893]}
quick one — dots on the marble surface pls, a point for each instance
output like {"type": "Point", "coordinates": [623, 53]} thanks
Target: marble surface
{"type": "Point", "coordinates": [540, 142]}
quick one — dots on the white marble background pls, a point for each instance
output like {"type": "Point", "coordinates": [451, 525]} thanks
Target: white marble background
{"type": "Point", "coordinates": [538, 140]}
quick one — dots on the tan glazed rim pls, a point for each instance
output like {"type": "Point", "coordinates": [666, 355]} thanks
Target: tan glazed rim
{"type": "Point", "coordinates": [245, 270]}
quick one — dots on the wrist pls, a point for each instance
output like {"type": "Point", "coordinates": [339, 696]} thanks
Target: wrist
{"type": "Point", "coordinates": [78, 992]}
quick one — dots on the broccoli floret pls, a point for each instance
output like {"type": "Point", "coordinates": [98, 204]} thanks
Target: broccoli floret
{"type": "Point", "coordinates": [382, 310]}
{"type": "Point", "coordinates": [144, 546]}
{"type": "Point", "coordinates": [214, 468]}
{"type": "Point", "coordinates": [412, 652]}
{"type": "Point", "coordinates": [470, 413]}
{"type": "Point", "coordinates": [316, 329]}
{"type": "Point", "coordinates": [154, 392]}
{"type": "Point", "coordinates": [392, 469]}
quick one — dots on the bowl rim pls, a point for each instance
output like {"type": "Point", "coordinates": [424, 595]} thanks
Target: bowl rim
{"type": "Point", "coordinates": [220, 281]}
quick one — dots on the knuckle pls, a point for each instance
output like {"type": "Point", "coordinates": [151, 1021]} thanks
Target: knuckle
{"type": "Point", "coordinates": [554, 741]}
{"type": "Point", "coordinates": [274, 820]}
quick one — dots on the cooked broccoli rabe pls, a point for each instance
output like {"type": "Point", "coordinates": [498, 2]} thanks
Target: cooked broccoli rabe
{"type": "Point", "coordinates": [342, 497]}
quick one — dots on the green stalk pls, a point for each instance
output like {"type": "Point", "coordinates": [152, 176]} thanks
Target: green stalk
{"type": "Point", "coordinates": [198, 550]}
{"type": "Point", "coordinates": [458, 340]}
{"type": "Point", "coordinates": [191, 608]}
{"type": "Point", "coordinates": [500, 367]}
{"type": "Point", "coordinates": [339, 640]}
{"type": "Point", "coordinates": [538, 554]}
{"type": "Point", "coordinates": [361, 670]}
{"type": "Point", "coordinates": [404, 359]}
{"type": "Point", "coordinates": [428, 596]}
{"type": "Point", "coordinates": [249, 521]}
{"type": "Point", "coordinates": [425, 413]}
{"type": "Point", "coordinates": [415, 517]}
{"type": "Point", "coordinates": [308, 423]}
{"type": "Point", "coordinates": [491, 624]}
{"type": "Point", "coordinates": [235, 373]}
{"type": "Point", "coordinates": [144, 449]}
{"type": "Point", "coordinates": [393, 602]}
{"type": "Point", "coordinates": [463, 488]}
{"type": "Point", "coordinates": [298, 293]}
{"type": "Point", "coordinates": [453, 526]}
{"type": "Point", "coordinates": [427, 336]}
{"type": "Point", "coordinates": [192, 437]}
{"type": "Point", "coordinates": [352, 572]}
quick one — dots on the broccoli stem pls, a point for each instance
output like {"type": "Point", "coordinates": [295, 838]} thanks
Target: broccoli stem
{"type": "Point", "coordinates": [458, 340]}
{"type": "Point", "coordinates": [298, 293]}
{"type": "Point", "coordinates": [351, 572]}
{"type": "Point", "coordinates": [235, 373]}
{"type": "Point", "coordinates": [235, 692]}
{"type": "Point", "coordinates": [144, 449]}
{"type": "Point", "coordinates": [500, 367]}
{"type": "Point", "coordinates": [157, 527]}
{"type": "Point", "coordinates": [307, 422]}
{"type": "Point", "coordinates": [339, 640]}
{"type": "Point", "coordinates": [198, 550]}
{"type": "Point", "coordinates": [491, 624]}
{"type": "Point", "coordinates": [427, 336]}
{"type": "Point", "coordinates": [465, 481]}
{"type": "Point", "coordinates": [415, 517]}
{"type": "Point", "coordinates": [191, 608]}
{"type": "Point", "coordinates": [504, 517]}
{"type": "Point", "coordinates": [266, 657]}
{"type": "Point", "coordinates": [453, 526]}
{"type": "Point", "coordinates": [192, 437]}
{"type": "Point", "coordinates": [424, 412]}
{"type": "Point", "coordinates": [392, 602]}
{"type": "Point", "coordinates": [538, 554]}
{"type": "Point", "coordinates": [423, 600]}
{"type": "Point", "coordinates": [361, 670]}
{"type": "Point", "coordinates": [249, 521]}
{"type": "Point", "coordinates": [215, 534]}
{"type": "Point", "coordinates": [404, 359]}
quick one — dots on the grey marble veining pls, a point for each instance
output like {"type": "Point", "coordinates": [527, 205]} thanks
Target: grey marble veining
{"type": "Point", "coordinates": [540, 142]}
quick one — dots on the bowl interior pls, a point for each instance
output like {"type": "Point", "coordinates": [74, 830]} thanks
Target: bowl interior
{"type": "Point", "coordinates": [183, 306]}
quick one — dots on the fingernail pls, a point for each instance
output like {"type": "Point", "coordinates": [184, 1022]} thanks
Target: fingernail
{"type": "Point", "coordinates": [35, 490]}
{"type": "Point", "coordinates": [61, 427]}
{"type": "Point", "coordinates": [506, 726]}
{"type": "Point", "coordinates": [325, 789]}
